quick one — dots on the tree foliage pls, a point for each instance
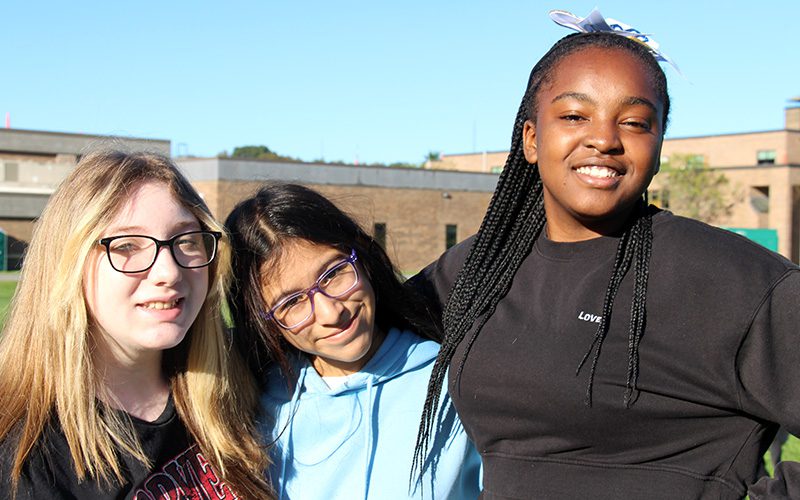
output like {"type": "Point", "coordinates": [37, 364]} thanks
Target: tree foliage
{"type": "Point", "coordinates": [262, 152]}
{"type": "Point", "coordinates": [255, 153]}
{"type": "Point", "coordinates": [692, 189]}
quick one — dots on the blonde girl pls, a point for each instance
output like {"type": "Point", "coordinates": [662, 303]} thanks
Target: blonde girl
{"type": "Point", "coordinates": [116, 380]}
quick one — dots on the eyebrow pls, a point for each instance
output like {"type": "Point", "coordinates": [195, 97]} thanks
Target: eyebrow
{"type": "Point", "coordinates": [177, 228]}
{"type": "Point", "coordinates": [628, 101]}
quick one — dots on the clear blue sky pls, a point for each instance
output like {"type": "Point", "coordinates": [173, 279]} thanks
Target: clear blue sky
{"type": "Point", "coordinates": [374, 81]}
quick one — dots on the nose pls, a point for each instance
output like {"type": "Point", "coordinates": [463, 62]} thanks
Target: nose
{"type": "Point", "coordinates": [165, 270]}
{"type": "Point", "coordinates": [327, 311]}
{"type": "Point", "coordinates": [603, 135]}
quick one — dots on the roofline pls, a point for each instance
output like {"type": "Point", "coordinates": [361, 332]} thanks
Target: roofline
{"type": "Point", "coordinates": [759, 167]}
{"type": "Point", "coordinates": [502, 151]}
{"type": "Point", "coordinates": [732, 134]}
{"type": "Point", "coordinates": [235, 170]}
{"type": "Point", "coordinates": [77, 135]}
{"type": "Point", "coordinates": [26, 190]}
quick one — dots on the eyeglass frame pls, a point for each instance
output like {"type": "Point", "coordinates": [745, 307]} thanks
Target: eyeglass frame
{"type": "Point", "coordinates": [106, 242]}
{"type": "Point", "coordinates": [313, 290]}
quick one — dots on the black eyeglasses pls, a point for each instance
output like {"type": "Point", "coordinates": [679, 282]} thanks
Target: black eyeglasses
{"type": "Point", "coordinates": [295, 309]}
{"type": "Point", "coordinates": [136, 253]}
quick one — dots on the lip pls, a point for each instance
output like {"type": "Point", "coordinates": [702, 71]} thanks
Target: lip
{"type": "Point", "coordinates": [597, 161]}
{"type": "Point", "coordinates": [599, 182]}
{"type": "Point", "coordinates": [345, 333]}
{"type": "Point", "coordinates": [169, 314]}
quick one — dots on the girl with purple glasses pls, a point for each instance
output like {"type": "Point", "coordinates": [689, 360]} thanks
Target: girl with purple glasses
{"type": "Point", "coordinates": [344, 352]}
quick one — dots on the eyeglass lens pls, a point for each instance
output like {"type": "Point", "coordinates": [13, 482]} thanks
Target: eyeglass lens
{"type": "Point", "coordinates": [337, 281]}
{"type": "Point", "coordinates": [131, 254]}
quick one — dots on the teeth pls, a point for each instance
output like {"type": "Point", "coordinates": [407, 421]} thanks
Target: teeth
{"type": "Point", "coordinates": [160, 305]}
{"type": "Point", "coordinates": [595, 171]}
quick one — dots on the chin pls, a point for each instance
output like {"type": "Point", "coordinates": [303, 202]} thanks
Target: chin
{"type": "Point", "coordinates": [164, 340]}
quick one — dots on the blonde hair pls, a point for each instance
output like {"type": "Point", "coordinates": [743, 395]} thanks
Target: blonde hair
{"type": "Point", "coordinates": [46, 346]}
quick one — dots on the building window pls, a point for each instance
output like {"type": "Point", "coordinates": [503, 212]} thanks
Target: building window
{"type": "Point", "coordinates": [11, 172]}
{"type": "Point", "coordinates": [450, 235]}
{"type": "Point", "coordinates": [759, 199]}
{"type": "Point", "coordinates": [766, 157]}
{"type": "Point", "coordinates": [379, 233]}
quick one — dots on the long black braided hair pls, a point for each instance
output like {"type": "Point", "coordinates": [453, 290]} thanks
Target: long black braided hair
{"type": "Point", "coordinates": [515, 219]}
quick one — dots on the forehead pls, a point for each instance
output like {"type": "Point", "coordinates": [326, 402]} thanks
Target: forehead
{"type": "Point", "coordinates": [602, 71]}
{"type": "Point", "coordinates": [152, 206]}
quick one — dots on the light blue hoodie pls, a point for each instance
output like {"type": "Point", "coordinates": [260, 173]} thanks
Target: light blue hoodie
{"type": "Point", "coordinates": [357, 441]}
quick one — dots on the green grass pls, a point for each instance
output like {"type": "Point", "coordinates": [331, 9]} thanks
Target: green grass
{"type": "Point", "coordinates": [791, 452]}
{"type": "Point", "coordinates": [6, 292]}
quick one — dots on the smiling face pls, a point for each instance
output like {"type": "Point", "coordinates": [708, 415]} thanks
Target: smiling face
{"type": "Point", "coordinates": [139, 315]}
{"type": "Point", "coordinates": [340, 337]}
{"type": "Point", "coordinates": [597, 139]}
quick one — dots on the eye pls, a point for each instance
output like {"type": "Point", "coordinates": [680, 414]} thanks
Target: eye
{"type": "Point", "coordinates": [572, 117]}
{"type": "Point", "coordinates": [293, 301]}
{"type": "Point", "coordinates": [331, 275]}
{"type": "Point", "coordinates": [188, 242]}
{"type": "Point", "coordinates": [126, 246]}
{"type": "Point", "coordinates": [637, 124]}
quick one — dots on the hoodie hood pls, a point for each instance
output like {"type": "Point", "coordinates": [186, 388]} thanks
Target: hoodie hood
{"type": "Point", "coordinates": [355, 440]}
{"type": "Point", "coordinates": [399, 353]}
{"type": "Point", "coordinates": [331, 429]}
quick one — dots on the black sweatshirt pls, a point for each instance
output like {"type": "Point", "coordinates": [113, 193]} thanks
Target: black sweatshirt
{"type": "Point", "coordinates": [719, 369]}
{"type": "Point", "coordinates": [180, 470]}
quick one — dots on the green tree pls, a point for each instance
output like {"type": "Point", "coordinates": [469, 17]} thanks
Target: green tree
{"type": "Point", "coordinates": [255, 153]}
{"type": "Point", "coordinates": [433, 156]}
{"type": "Point", "coordinates": [692, 189]}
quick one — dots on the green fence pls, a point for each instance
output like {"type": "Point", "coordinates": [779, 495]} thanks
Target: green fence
{"type": "Point", "coordinates": [765, 237]}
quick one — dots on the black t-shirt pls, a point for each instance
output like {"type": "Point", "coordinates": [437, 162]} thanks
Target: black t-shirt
{"type": "Point", "coordinates": [179, 469]}
{"type": "Point", "coordinates": [719, 366]}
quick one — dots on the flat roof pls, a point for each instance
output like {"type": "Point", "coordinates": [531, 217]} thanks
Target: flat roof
{"type": "Point", "coordinates": [41, 142]}
{"type": "Point", "coordinates": [226, 169]}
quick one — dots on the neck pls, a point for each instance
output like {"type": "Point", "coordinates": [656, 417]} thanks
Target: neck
{"type": "Point", "coordinates": [135, 385]}
{"type": "Point", "coordinates": [573, 229]}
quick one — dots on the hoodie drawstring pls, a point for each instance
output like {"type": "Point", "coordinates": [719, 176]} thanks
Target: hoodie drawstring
{"type": "Point", "coordinates": [368, 455]}
{"type": "Point", "coordinates": [293, 405]}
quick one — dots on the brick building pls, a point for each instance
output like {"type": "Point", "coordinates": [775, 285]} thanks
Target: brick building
{"type": "Point", "coordinates": [32, 164]}
{"type": "Point", "coordinates": [416, 213]}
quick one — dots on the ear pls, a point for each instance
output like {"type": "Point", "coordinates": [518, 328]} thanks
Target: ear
{"type": "Point", "coordinates": [529, 142]}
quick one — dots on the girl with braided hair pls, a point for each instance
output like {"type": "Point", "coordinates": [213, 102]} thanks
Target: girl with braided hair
{"type": "Point", "coordinates": [598, 347]}
{"type": "Point", "coordinates": [344, 351]}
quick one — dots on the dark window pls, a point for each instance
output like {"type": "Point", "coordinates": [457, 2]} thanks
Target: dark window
{"type": "Point", "coordinates": [766, 157]}
{"type": "Point", "coordinates": [759, 199]}
{"type": "Point", "coordinates": [379, 233]}
{"type": "Point", "coordinates": [450, 235]}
